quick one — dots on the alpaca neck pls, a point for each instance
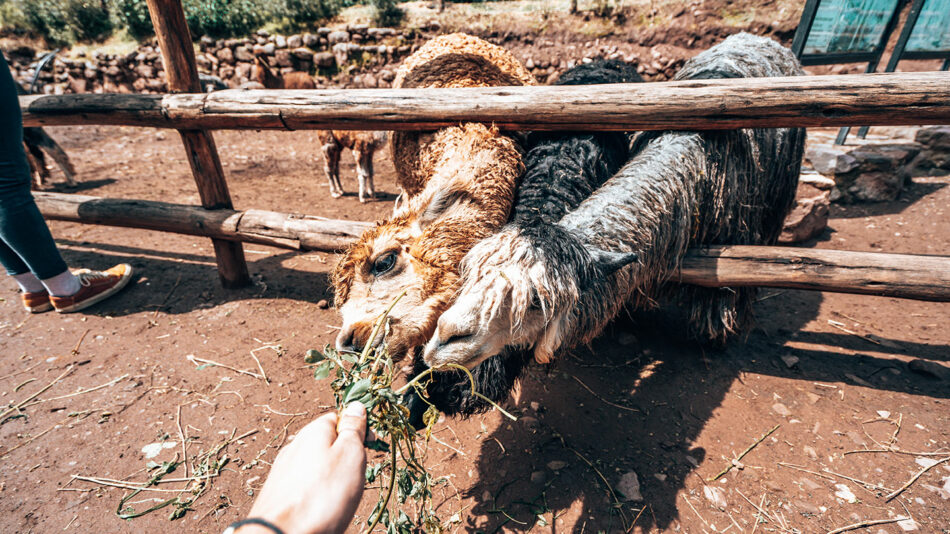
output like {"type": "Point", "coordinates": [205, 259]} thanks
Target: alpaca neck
{"type": "Point", "coordinates": [475, 171]}
{"type": "Point", "coordinates": [267, 78]}
{"type": "Point", "coordinates": [655, 220]}
{"type": "Point", "coordinates": [562, 171]}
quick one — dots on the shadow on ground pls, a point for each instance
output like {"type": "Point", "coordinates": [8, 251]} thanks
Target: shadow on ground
{"type": "Point", "coordinates": [81, 186]}
{"type": "Point", "coordinates": [191, 279]}
{"type": "Point", "coordinates": [911, 194]}
{"type": "Point", "coordinates": [669, 389]}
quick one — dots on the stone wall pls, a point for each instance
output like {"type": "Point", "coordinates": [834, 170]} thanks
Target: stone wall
{"type": "Point", "coordinates": [357, 56]}
{"type": "Point", "coordinates": [879, 172]}
{"type": "Point", "coordinates": [353, 56]}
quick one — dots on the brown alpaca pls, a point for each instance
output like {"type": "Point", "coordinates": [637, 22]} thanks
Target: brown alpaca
{"type": "Point", "coordinates": [363, 145]}
{"type": "Point", "coordinates": [332, 142]}
{"type": "Point", "coordinates": [263, 74]}
{"type": "Point", "coordinates": [459, 184]}
{"type": "Point", "coordinates": [35, 141]}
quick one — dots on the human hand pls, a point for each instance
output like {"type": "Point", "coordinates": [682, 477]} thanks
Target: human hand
{"type": "Point", "coordinates": [316, 481]}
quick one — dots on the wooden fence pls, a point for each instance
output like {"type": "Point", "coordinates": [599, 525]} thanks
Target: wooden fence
{"type": "Point", "coordinates": [807, 101]}
{"type": "Point", "coordinates": [811, 101]}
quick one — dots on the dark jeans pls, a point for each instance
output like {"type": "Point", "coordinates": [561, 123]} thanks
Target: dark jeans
{"type": "Point", "coordinates": [26, 244]}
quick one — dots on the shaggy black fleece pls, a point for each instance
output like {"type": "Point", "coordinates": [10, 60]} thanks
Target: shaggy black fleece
{"type": "Point", "coordinates": [564, 168]}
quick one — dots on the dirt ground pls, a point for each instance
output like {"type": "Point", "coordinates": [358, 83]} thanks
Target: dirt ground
{"type": "Point", "coordinates": [830, 370]}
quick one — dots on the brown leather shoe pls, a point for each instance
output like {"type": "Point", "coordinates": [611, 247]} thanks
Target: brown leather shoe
{"type": "Point", "coordinates": [36, 302]}
{"type": "Point", "coordinates": [95, 286]}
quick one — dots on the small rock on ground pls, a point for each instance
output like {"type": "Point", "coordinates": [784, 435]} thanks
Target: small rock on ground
{"type": "Point", "coordinates": [716, 496]}
{"type": "Point", "coordinates": [790, 360]}
{"type": "Point", "coordinates": [781, 409]}
{"type": "Point", "coordinates": [629, 487]}
{"type": "Point", "coordinates": [808, 219]}
{"type": "Point", "coordinates": [929, 368]}
{"type": "Point", "coordinates": [556, 465]}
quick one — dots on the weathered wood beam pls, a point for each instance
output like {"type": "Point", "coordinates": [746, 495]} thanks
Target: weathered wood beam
{"type": "Point", "coordinates": [905, 98]}
{"type": "Point", "coordinates": [869, 273]}
{"type": "Point", "coordinates": [283, 230]}
{"type": "Point", "coordinates": [178, 55]}
{"type": "Point", "coordinates": [840, 271]}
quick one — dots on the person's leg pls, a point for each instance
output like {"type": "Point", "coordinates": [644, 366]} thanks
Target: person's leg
{"type": "Point", "coordinates": [29, 283]}
{"type": "Point", "coordinates": [22, 228]}
{"type": "Point", "coordinates": [25, 234]}
{"type": "Point", "coordinates": [11, 261]}
{"type": "Point", "coordinates": [27, 243]}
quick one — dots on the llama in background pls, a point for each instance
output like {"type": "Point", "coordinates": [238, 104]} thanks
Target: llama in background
{"type": "Point", "coordinates": [363, 145]}
{"type": "Point", "coordinates": [36, 141]}
{"type": "Point", "coordinates": [332, 142]}
{"type": "Point", "coordinates": [265, 75]}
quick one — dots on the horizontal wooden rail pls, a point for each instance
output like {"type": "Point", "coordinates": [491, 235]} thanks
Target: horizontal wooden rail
{"type": "Point", "coordinates": [866, 273]}
{"type": "Point", "coordinates": [297, 232]}
{"type": "Point", "coordinates": [869, 273]}
{"type": "Point", "coordinates": [905, 98]}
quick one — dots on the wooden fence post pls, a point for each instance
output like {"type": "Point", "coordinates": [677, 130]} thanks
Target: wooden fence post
{"type": "Point", "coordinates": [181, 71]}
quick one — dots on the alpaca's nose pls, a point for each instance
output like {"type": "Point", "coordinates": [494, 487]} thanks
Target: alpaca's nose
{"type": "Point", "coordinates": [451, 332]}
{"type": "Point", "coordinates": [347, 341]}
{"type": "Point", "coordinates": [354, 337]}
{"type": "Point", "coordinates": [454, 338]}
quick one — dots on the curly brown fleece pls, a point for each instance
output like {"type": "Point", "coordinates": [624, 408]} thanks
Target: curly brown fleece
{"type": "Point", "coordinates": [466, 175]}
{"type": "Point", "coordinates": [454, 60]}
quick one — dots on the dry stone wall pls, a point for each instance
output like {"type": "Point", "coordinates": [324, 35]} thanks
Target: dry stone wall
{"type": "Point", "coordinates": [879, 172]}
{"type": "Point", "coordinates": [352, 56]}
{"type": "Point", "coordinates": [358, 56]}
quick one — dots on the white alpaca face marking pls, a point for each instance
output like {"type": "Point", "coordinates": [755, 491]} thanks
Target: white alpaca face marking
{"type": "Point", "coordinates": [462, 338]}
{"type": "Point", "coordinates": [505, 301]}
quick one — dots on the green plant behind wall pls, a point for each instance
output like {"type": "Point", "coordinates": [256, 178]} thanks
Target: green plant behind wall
{"type": "Point", "coordinates": [61, 22]}
{"type": "Point", "coordinates": [89, 20]}
{"type": "Point", "coordinates": [64, 22]}
{"type": "Point", "coordinates": [305, 13]}
{"type": "Point", "coordinates": [133, 15]}
{"type": "Point", "coordinates": [386, 12]}
{"type": "Point", "coordinates": [223, 18]}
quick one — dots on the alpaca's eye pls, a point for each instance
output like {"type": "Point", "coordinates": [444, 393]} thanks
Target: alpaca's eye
{"type": "Point", "coordinates": [384, 263]}
{"type": "Point", "coordinates": [535, 301]}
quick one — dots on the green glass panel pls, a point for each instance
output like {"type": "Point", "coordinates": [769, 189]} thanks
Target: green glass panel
{"type": "Point", "coordinates": [932, 31]}
{"type": "Point", "coordinates": [849, 26]}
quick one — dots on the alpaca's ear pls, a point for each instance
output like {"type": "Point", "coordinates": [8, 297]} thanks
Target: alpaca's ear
{"type": "Point", "coordinates": [442, 203]}
{"type": "Point", "coordinates": [610, 262]}
{"type": "Point", "coordinates": [263, 64]}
